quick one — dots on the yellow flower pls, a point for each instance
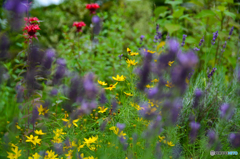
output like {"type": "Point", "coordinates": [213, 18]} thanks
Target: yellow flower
{"type": "Point", "coordinates": [102, 109]}
{"type": "Point", "coordinates": [170, 63]}
{"type": "Point", "coordinates": [16, 154]}
{"type": "Point", "coordinates": [42, 110]}
{"type": "Point", "coordinates": [155, 81]}
{"type": "Point", "coordinates": [102, 83]}
{"type": "Point", "coordinates": [116, 131]}
{"type": "Point", "coordinates": [90, 140]}
{"type": "Point", "coordinates": [128, 94]}
{"type": "Point", "coordinates": [39, 132]}
{"type": "Point", "coordinates": [134, 53]}
{"type": "Point", "coordinates": [155, 60]}
{"type": "Point", "coordinates": [187, 80]}
{"type": "Point", "coordinates": [69, 123]}
{"type": "Point", "coordinates": [170, 143]}
{"type": "Point", "coordinates": [136, 106]}
{"type": "Point", "coordinates": [119, 78]}
{"type": "Point", "coordinates": [69, 154]}
{"type": "Point", "coordinates": [35, 156]}
{"type": "Point", "coordinates": [161, 138]}
{"type": "Point", "coordinates": [170, 85]}
{"type": "Point", "coordinates": [80, 146]}
{"type": "Point", "coordinates": [50, 155]}
{"type": "Point", "coordinates": [111, 86]}
{"type": "Point", "coordinates": [128, 50]}
{"type": "Point", "coordinates": [33, 140]}
{"type": "Point", "coordinates": [152, 52]}
{"type": "Point", "coordinates": [148, 86]}
{"type": "Point", "coordinates": [131, 62]}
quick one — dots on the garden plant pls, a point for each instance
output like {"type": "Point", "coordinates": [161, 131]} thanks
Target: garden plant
{"type": "Point", "coordinates": [120, 79]}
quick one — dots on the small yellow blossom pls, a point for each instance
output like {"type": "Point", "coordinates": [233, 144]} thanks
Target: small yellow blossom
{"type": "Point", "coordinates": [33, 140]}
{"type": "Point", "coordinates": [155, 81]}
{"type": "Point", "coordinates": [39, 132]}
{"type": "Point", "coordinates": [50, 155]}
{"type": "Point", "coordinates": [136, 106]}
{"type": "Point", "coordinates": [111, 86]}
{"type": "Point", "coordinates": [16, 154]}
{"type": "Point", "coordinates": [170, 143]}
{"type": "Point", "coordinates": [128, 94]}
{"type": "Point", "coordinates": [161, 138]}
{"type": "Point", "coordinates": [35, 156]}
{"type": "Point", "coordinates": [102, 83]}
{"type": "Point", "coordinates": [102, 109]}
{"type": "Point", "coordinates": [170, 85]}
{"type": "Point", "coordinates": [134, 53]}
{"type": "Point", "coordinates": [128, 50]}
{"type": "Point", "coordinates": [69, 123]}
{"type": "Point", "coordinates": [42, 110]}
{"type": "Point", "coordinates": [90, 140]}
{"type": "Point", "coordinates": [148, 86]}
{"type": "Point", "coordinates": [170, 63]}
{"type": "Point", "coordinates": [155, 60]}
{"type": "Point", "coordinates": [131, 62]}
{"type": "Point", "coordinates": [119, 78]}
{"type": "Point", "coordinates": [187, 80]}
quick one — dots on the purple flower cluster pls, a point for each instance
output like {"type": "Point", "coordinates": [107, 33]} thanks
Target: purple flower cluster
{"type": "Point", "coordinates": [230, 33]}
{"type": "Point", "coordinates": [215, 35]}
{"type": "Point", "coordinates": [235, 139]}
{"type": "Point", "coordinates": [201, 41]}
{"type": "Point", "coordinates": [212, 72]}
{"type": "Point", "coordinates": [158, 35]}
{"type": "Point", "coordinates": [96, 24]}
{"type": "Point", "coordinates": [184, 38]}
{"type": "Point", "coordinates": [194, 130]}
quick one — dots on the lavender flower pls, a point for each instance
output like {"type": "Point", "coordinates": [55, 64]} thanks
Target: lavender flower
{"type": "Point", "coordinates": [184, 38]}
{"type": "Point", "coordinates": [159, 34]}
{"type": "Point", "coordinates": [224, 46]}
{"type": "Point", "coordinates": [35, 115]}
{"type": "Point", "coordinates": [212, 72]}
{"type": "Point", "coordinates": [226, 111]}
{"type": "Point", "coordinates": [61, 70]}
{"type": "Point", "coordinates": [47, 62]}
{"type": "Point", "coordinates": [120, 126]}
{"type": "Point", "coordinates": [201, 41]}
{"type": "Point", "coordinates": [20, 93]}
{"type": "Point", "coordinates": [141, 38]}
{"type": "Point", "coordinates": [211, 137]}
{"type": "Point", "coordinates": [198, 94]}
{"type": "Point", "coordinates": [235, 139]}
{"type": "Point", "coordinates": [230, 33]}
{"type": "Point", "coordinates": [74, 88]}
{"type": "Point", "coordinates": [215, 35]}
{"type": "Point", "coordinates": [89, 86]}
{"type": "Point", "coordinates": [190, 74]}
{"type": "Point", "coordinates": [196, 49]}
{"type": "Point", "coordinates": [175, 110]}
{"type": "Point", "coordinates": [194, 129]}
{"type": "Point", "coordinates": [146, 112]}
{"type": "Point", "coordinates": [103, 98]}
{"type": "Point", "coordinates": [97, 24]}
{"type": "Point", "coordinates": [54, 92]}
{"type": "Point", "coordinates": [188, 60]}
{"type": "Point", "coordinates": [120, 56]}
{"type": "Point", "coordinates": [16, 6]}
{"type": "Point", "coordinates": [152, 92]}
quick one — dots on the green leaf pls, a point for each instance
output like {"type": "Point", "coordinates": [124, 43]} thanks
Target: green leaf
{"type": "Point", "coordinates": [205, 13]}
{"type": "Point", "coordinates": [173, 3]}
{"type": "Point", "coordinates": [221, 8]}
{"type": "Point", "coordinates": [230, 14]}
{"type": "Point", "coordinates": [160, 10]}
{"type": "Point", "coordinates": [172, 27]}
{"type": "Point", "coordinates": [178, 13]}
{"type": "Point", "coordinates": [191, 40]}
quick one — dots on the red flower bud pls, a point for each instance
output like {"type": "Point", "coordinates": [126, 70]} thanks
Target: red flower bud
{"type": "Point", "coordinates": [79, 25]}
{"type": "Point", "coordinates": [92, 7]}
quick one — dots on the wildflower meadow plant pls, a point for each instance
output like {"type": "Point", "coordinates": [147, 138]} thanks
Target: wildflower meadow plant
{"type": "Point", "coordinates": [143, 96]}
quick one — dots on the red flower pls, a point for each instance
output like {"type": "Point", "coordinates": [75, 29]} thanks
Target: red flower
{"type": "Point", "coordinates": [31, 20]}
{"type": "Point", "coordinates": [92, 7]}
{"type": "Point", "coordinates": [79, 25]}
{"type": "Point", "coordinates": [31, 29]}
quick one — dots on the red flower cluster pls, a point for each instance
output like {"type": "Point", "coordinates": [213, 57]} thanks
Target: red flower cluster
{"type": "Point", "coordinates": [32, 27]}
{"type": "Point", "coordinates": [79, 25]}
{"type": "Point", "coordinates": [92, 7]}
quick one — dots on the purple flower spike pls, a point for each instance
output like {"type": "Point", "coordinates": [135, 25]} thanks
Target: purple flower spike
{"type": "Point", "coordinates": [97, 24]}
{"type": "Point", "coordinates": [184, 38]}
{"type": "Point", "coordinates": [173, 46]}
{"type": "Point", "coordinates": [211, 137]}
{"type": "Point", "coordinates": [194, 129]}
{"type": "Point", "coordinates": [215, 35]}
{"type": "Point", "coordinates": [152, 92]}
{"type": "Point", "coordinates": [188, 60]}
{"type": "Point", "coordinates": [226, 111]}
{"type": "Point", "coordinates": [120, 126]}
{"type": "Point", "coordinates": [47, 62]}
{"type": "Point", "coordinates": [196, 49]}
{"type": "Point", "coordinates": [235, 139]}
{"type": "Point", "coordinates": [16, 6]}
{"type": "Point", "coordinates": [212, 72]}
{"type": "Point", "coordinates": [89, 86]}
{"type": "Point", "coordinates": [201, 41]}
{"type": "Point", "coordinates": [230, 33]}
{"type": "Point", "coordinates": [142, 37]}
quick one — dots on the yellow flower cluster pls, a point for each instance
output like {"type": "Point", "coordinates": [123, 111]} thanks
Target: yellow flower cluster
{"type": "Point", "coordinates": [116, 131]}
{"type": "Point", "coordinates": [169, 143]}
